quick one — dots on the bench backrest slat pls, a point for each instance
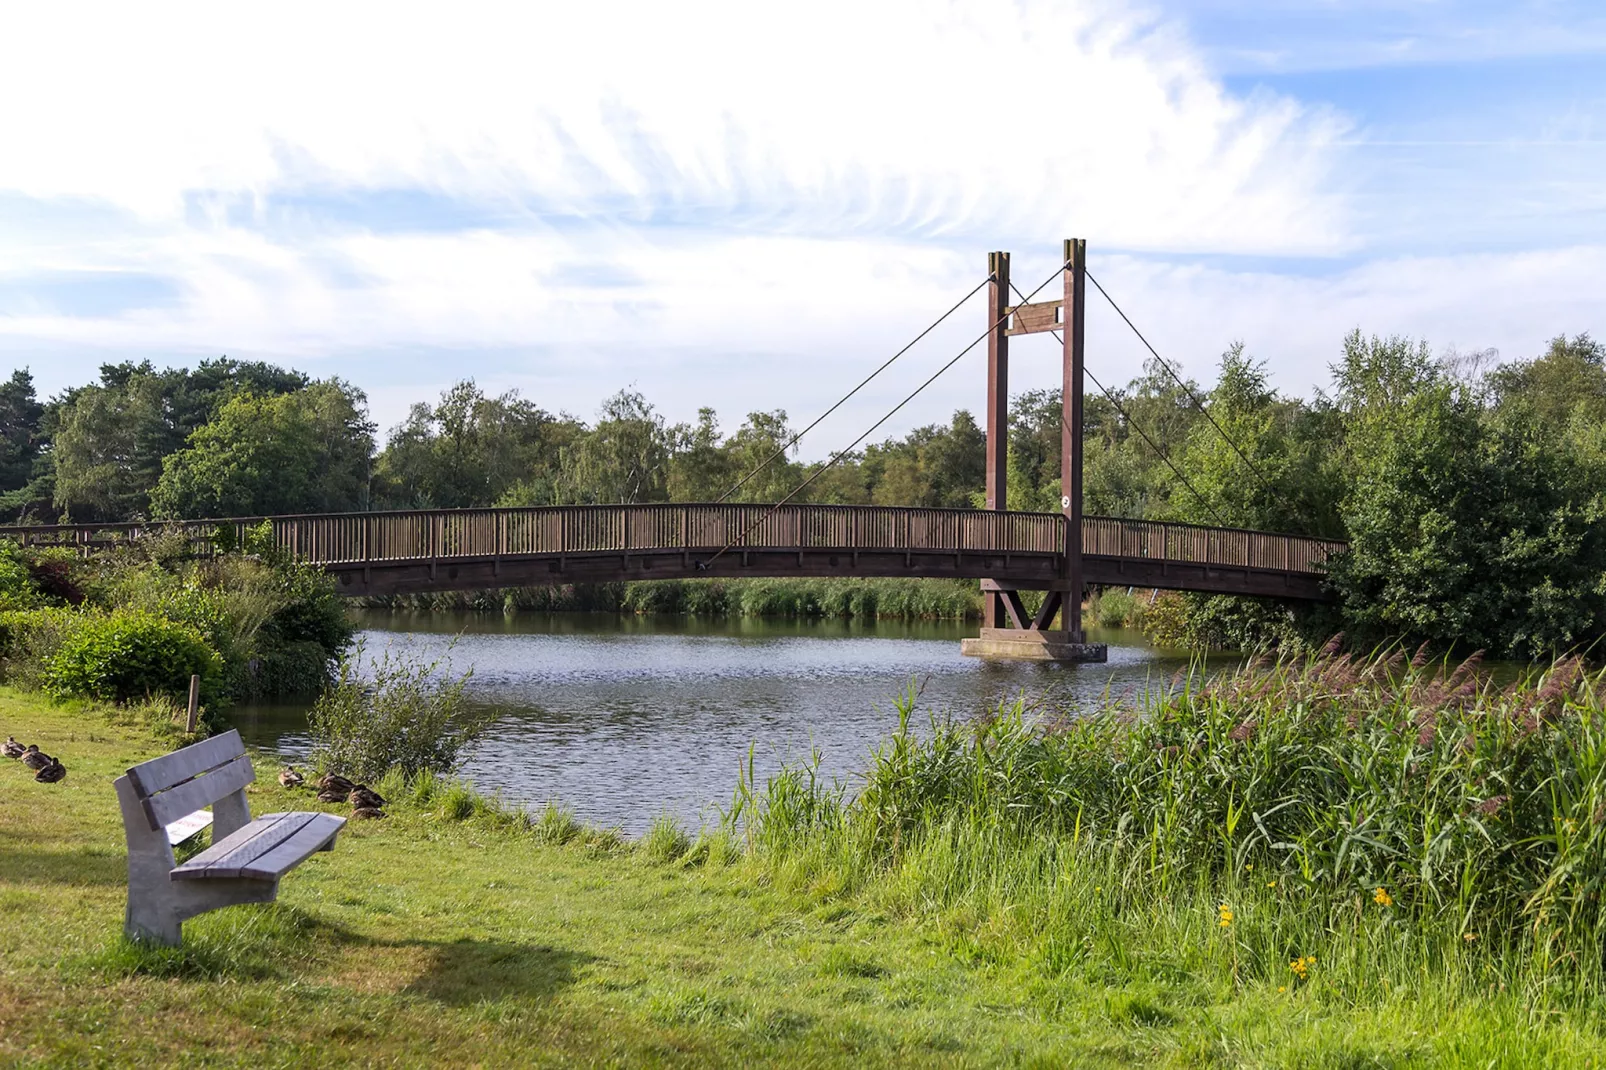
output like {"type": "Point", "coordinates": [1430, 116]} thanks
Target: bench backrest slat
{"type": "Point", "coordinates": [166, 807]}
{"type": "Point", "coordinates": [162, 773]}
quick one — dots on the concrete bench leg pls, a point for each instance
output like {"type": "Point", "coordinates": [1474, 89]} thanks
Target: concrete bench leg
{"type": "Point", "coordinates": [157, 905]}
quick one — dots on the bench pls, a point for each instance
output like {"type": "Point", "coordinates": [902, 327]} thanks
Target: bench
{"type": "Point", "coordinates": [246, 859]}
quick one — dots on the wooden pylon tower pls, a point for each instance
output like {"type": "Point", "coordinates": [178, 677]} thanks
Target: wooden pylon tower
{"type": "Point", "coordinates": [1008, 630]}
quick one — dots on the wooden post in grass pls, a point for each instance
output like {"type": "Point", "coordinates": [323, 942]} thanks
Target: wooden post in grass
{"type": "Point", "coordinates": [192, 722]}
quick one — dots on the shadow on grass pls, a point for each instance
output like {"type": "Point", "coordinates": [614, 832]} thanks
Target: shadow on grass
{"type": "Point", "coordinates": [283, 943]}
{"type": "Point", "coordinates": [238, 944]}
{"type": "Point", "coordinates": [467, 972]}
{"type": "Point", "coordinates": [79, 867]}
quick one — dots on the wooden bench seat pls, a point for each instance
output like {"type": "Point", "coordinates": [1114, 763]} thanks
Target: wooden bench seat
{"type": "Point", "coordinates": [266, 849]}
{"type": "Point", "coordinates": [246, 858]}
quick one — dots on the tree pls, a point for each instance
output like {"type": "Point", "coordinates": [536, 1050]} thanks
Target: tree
{"type": "Point", "coordinates": [934, 466]}
{"type": "Point", "coordinates": [764, 435]}
{"type": "Point", "coordinates": [306, 452]}
{"type": "Point", "coordinates": [1036, 431]}
{"type": "Point", "coordinates": [108, 449]}
{"type": "Point", "coordinates": [623, 459]}
{"type": "Point", "coordinates": [1568, 380]}
{"type": "Point", "coordinates": [1379, 372]}
{"type": "Point", "coordinates": [471, 450]}
{"type": "Point", "coordinates": [955, 459]}
{"type": "Point", "coordinates": [20, 413]}
{"type": "Point", "coordinates": [25, 472]}
{"type": "Point", "coordinates": [1257, 462]}
{"type": "Point", "coordinates": [111, 437]}
{"type": "Point", "coordinates": [699, 469]}
{"type": "Point", "coordinates": [1472, 529]}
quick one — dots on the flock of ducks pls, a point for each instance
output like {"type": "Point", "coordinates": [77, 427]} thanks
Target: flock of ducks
{"type": "Point", "coordinates": [47, 770]}
{"type": "Point", "coordinates": [367, 804]}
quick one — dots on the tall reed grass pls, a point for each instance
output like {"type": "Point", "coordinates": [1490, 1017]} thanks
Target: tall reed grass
{"type": "Point", "coordinates": [1365, 825]}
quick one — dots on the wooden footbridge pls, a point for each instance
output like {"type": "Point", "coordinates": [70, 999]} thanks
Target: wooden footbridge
{"type": "Point", "coordinates": [442, 550]}
{"type": "Point", "coordinates": [1060, 553]}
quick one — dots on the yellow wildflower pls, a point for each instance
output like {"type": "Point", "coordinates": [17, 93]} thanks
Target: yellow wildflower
{"type": "Point", "coordinates": [1301, 966]}
{"type": "Point", "coordinates": [1382, 898]}
{"type": "Point", "coordinates": [1282, 988]}
{"type": "Point", "coordinates": [1271, 884]}
{"type": "Point", "coordinates": [1469, 937]}
{"type": "Point", "coordinates": [1226, 915]}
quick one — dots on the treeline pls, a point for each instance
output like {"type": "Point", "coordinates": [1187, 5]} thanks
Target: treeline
{"type": "Point", "coordinates": [234, 438]}
{"type": "Point", "coordinates": [1473, 496]}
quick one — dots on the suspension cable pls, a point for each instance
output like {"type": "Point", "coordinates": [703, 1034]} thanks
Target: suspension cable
{"type": "Point", "coordinates": [703, 565]}
{"type": "Point", "coordinates": [1138, 428]}
{"type": "Point", "coordinates": [782, 450]}
{"type": "Point", "coordinates": [1185, 388]}
{"type": "Point", "coordinates": [1157, 450]}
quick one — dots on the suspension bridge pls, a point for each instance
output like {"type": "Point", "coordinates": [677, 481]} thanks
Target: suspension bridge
{"type": "Point", "coordinates": [1060, 554]}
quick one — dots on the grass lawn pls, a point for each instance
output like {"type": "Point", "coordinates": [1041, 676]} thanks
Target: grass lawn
{"type": "Point", "coordinates": [426, 940]}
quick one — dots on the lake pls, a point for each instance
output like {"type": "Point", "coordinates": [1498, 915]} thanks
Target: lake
{"type": "Point", "coordinates": [624, 718]}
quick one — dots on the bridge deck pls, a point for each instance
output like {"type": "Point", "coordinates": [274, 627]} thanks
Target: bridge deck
{"type": "Point", "coordinates": [392, 552]}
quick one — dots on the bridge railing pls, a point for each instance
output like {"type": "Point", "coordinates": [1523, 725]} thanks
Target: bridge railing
{"type": "Point", "coordinates": [360, 538]}
{"type": "Point", "coordinates": [1195, 544]}
{"type": "Point", "coordinates": [368, 537]}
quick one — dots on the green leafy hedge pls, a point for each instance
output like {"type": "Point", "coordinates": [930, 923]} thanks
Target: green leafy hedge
{"type": "Point", "coordinates": [129, 654]}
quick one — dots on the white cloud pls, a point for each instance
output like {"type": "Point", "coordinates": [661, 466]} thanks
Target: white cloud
{"type": "Point", "coordinates": [835, 117]}
{"type": "Point", "coordinates": [738, 204]}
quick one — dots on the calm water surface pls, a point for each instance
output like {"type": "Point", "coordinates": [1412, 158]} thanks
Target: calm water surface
{"type": "Point", "coordinates": [624, 718]}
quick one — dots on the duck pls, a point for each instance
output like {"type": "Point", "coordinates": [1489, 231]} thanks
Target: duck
{"type": "Point", "coordinates": [52, 773]}
{"type": "Point", "coordinates": [367, 813]}
{"type": "Point", "coordinates": [12, 749]}
{"type": "Point", "coordinates": [34, 758]}
{"type": "Point", "coordinates": [335, 783]}
{"type": "Point", "coordinates": [364, 797]}
{"type": "Point", "coordinates": [327, 796]}
{"type": "Point", "coordinates": [290, 778]}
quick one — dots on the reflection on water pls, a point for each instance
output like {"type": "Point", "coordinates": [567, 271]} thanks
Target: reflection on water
{"type": "Point", "coordinates": [624, 718]}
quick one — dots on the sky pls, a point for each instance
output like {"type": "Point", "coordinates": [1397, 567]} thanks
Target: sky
{"type": "Point", "coordinates": [748, 205]}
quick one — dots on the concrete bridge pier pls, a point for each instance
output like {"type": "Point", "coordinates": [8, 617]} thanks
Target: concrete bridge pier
{"type": "Point", "coordinates": [1015, 645]}
{"type": "Point", "coordinates": [1031, 637]}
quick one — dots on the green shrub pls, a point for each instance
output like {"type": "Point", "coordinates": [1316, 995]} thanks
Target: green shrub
{"type": "Point", "coordinates": [1113, 607]}
{"type": "Point", "coordinates": [411, 716]}
{"type": "Point", "coordinates": [1165, 622]}
{"type": "Point", "coordinates": [17, 589]}
{"type": "Point", "coordinates": [285, 669]}
{"type": "Point", "coordinates": [277, 625]}
{"type": "Point", "coordinates": [57, 573]}
{"type": "Point", "coordinates": [29, 638]}
{"type": "Point", "coordinates": [309, 611]}
{"type": "Point", "coordinates": [129, 654]}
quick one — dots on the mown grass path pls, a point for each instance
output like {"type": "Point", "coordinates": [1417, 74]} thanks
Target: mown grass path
{"type": "Point", "coordinates": [422, 940]}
